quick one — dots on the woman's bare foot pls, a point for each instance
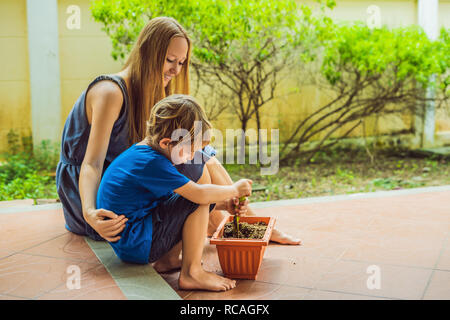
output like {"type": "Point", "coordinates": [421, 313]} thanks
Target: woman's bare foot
{"type": "Point", "coordinates": [283, 238]}
{"type": "Point", "coordinates": [204, 280]}
{"type": "Point", "coordinates": [165, 265]}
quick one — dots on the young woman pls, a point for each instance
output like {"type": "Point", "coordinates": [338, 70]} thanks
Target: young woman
{"type": "Point", "coordinates": [111, 115]}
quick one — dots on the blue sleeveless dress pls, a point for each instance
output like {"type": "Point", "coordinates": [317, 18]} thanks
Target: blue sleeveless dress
{"type": "Point", "coordinates": [73, 149]}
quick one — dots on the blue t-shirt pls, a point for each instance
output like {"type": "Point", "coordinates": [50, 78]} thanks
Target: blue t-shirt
{"type": "Point", "coordinates": [134, 183]}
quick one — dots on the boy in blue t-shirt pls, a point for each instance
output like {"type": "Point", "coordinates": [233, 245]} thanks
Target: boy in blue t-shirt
{"type": "Point", "coordinates": [167, 213]}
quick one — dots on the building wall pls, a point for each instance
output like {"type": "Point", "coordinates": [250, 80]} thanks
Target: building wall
{"type": "Point", "coordinates": [85, 53]}
{"type": "Point", "coordinates": [15, 112]}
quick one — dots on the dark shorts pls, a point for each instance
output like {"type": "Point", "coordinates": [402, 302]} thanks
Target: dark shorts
{"type": "Point", "coordinates": [169, 216]}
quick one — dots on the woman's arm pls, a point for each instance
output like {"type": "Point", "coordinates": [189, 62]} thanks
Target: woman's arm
{"type": "Point", "coordinates": [211, 193]}
{"type": "Point", "coordinates": [103, 103]}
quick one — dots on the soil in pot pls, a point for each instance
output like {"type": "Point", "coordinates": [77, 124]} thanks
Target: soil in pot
{"type": "Point", "coordinates": [246, 230]}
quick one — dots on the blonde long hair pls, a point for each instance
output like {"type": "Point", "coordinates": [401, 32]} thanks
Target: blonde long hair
{"type": "Point", "coordinates": [146, 62]}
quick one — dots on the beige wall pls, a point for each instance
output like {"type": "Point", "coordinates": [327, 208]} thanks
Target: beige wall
{"type": "Point", "coordinates": [15, 109]}
{"type": "Point", "coordinates": [85, 53]}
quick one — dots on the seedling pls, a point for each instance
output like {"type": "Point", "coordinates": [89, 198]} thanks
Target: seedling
{"type": "Point", "coordinates": [236, 218]}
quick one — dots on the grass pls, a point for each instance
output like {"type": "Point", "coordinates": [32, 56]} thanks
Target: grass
{"type": "Point", "coordinates": [339, 172]}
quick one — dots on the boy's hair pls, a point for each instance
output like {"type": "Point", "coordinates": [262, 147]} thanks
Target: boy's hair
{"type": "Point", "coordinates": [177, 111]}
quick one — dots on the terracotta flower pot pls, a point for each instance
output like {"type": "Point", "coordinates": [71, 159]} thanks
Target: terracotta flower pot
{"type": "Point", "coordinates": [241, 258]}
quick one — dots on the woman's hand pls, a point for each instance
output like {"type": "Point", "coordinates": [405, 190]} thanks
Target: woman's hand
{"type": "Point", "coordinates": [234, 207]}
{"type": "Point", "coordinates": [107, 224]}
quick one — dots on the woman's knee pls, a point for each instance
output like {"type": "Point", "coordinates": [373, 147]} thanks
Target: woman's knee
{"type": "Point", "coordinates": [218, 173]}
{"type": "Point", "coordinates": [213, 162]}
{"type": "Point", "coordinates": [205, 178]}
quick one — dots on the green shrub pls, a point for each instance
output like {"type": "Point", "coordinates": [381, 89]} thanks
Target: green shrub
{"type": "Point", "coordinates": [26, 172]}
{"type": "Point", "coordinates": [32, 186]}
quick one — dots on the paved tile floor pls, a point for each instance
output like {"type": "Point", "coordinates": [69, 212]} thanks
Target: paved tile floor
{"type": "Point", "coordinates": [404, 237]}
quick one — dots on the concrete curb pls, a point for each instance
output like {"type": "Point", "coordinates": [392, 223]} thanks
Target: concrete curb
{"type": "Point", "coordinates": [137, 282]}
{"type": "Point", "coordinates": [40, 207]}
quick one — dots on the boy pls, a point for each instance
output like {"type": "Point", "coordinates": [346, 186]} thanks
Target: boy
{"type": "Point", "coordinates": [167, 213]}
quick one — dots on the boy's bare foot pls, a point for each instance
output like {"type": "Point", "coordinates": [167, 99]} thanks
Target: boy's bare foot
{"type": "Point", "coordinates": [283, 238]}
{"type": "Point", "coordinates": [167, 265]}
{"type": "Point", "coordinates": [204, 280]}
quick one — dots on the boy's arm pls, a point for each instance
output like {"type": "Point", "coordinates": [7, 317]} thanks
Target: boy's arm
{"type": "Point", "coordinates": [212, 193]}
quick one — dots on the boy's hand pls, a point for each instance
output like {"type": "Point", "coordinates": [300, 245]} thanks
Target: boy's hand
{"type": "Point", "coordinates": [233, 206]}
{"type": "Point", "coordinates": [240, 208]}
{"type": "Point", "coordinates": [243, 187]}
